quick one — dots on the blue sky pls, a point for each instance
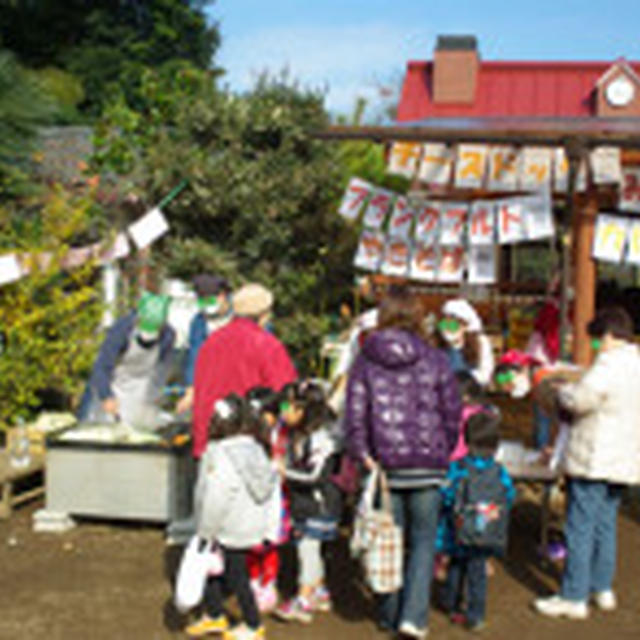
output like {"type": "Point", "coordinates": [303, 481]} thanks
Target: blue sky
{"type": "Point", "coordinates": [350, 47]}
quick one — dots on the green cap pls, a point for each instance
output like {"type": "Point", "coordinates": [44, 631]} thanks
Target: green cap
{"type": "Point", "coordinates": [152, 311]}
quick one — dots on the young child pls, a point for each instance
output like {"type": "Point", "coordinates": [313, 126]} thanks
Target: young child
{"type": "Point", "coordinates": [315, 500]}
{"type": "Point", "coordinates": [235, 499]}
{"type": "Point", "coordinates": [263, 561]}
{"type": "Point", "coordinates": [478, 496]}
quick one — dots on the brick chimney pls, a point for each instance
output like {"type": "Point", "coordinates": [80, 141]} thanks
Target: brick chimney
{"type": "Point", "coordinates": [455, 70]}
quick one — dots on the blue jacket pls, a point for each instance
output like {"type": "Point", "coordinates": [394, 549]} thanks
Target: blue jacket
{"type": "Point", "coordinates": [198, 333]}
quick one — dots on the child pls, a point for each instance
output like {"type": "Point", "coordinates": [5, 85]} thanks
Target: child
{"type": "Point", "coordinates": [315, 501]}
{"type": "Point", "coordinates": [263, 561]}
{"type": "Point", "coordinates": [478, 496]}
{"type": "Point", "coordinates": [235, 500]}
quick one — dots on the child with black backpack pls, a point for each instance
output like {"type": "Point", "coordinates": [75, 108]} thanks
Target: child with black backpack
{"type": "Point", "coordinates": [477, 496]}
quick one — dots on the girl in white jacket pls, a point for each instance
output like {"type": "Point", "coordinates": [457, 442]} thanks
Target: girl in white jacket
{"type": "Point", "coordinates": [237, 505]}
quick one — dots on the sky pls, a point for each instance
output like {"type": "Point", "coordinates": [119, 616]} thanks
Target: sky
{"type": "Point", "coordinates": [351, 48]}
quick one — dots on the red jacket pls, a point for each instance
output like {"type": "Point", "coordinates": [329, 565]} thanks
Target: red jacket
{"type": "Point", "coordinates": [234, 359]}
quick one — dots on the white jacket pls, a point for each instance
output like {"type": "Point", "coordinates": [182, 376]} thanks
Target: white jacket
{"type": "Point", "coordinates": [237, 495]}
{"type": "Point", "coordinates": [604, 441]}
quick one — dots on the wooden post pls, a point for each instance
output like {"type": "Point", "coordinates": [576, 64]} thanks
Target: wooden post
{"type": "Point", "coordinates": [583, 225]}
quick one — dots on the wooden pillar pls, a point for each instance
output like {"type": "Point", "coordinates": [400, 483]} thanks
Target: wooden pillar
{"type": "Point", "coordinates": [583, 225]}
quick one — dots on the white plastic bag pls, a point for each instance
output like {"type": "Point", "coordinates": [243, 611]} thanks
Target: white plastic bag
{"type": "Point", "coordinates": [201, 558]}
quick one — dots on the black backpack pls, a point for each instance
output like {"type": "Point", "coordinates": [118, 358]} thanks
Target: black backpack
{"type": "Point", "coordinates": [481, 510]}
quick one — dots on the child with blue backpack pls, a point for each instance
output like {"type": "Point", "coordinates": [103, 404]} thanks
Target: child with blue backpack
{"type": "Point", "coordinates": [477, 499]}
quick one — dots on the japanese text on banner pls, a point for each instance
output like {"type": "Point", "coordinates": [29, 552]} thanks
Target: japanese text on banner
{"type": "Point", "coordinates": [470, 165]}
{"type": "Point", "coordinates": [610, 238]}
{"type": "Point", "coordinates": [354, 197]}
{"type": "Point", "coordinates": [376, 211]}
{"type": "Point", "coordinates": [404, 158]}
{"type": "Point", "coordinates": [436, 164]}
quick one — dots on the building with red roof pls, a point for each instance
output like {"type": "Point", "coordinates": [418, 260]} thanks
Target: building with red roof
{"type": "Point", "coordinates": [458, 84]}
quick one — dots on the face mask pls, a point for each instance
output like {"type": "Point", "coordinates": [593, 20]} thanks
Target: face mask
{"type": "Point", "coordinates": [209, 305]}
{"type": "Point", "coordinates": [452, 332]}
{"type": "Point", "coordinates": [521, 385]}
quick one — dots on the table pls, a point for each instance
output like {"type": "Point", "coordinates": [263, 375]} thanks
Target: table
{"type": "Point", "coordinates": [10, 474]}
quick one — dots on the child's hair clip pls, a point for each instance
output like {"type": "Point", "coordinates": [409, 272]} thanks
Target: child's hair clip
{"type": "Point", "coordinates": [223, 409]}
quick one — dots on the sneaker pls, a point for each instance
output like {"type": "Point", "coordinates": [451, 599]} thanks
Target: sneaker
{"type": "Point", "coordinates": [321, 600]}
{"type": "Point", "coordinates": [457, 617]}
{"type": "Point", "coordinates": [557, 607]}
{"type": "Point", "coordinates": [411, 631]}
{"type": "Point", "coordinates": [605, 600]}
{"type": "Point", "coordinates": [243, 632]}
{"type": "Point", "coordinates": [207, 625]}
{"type": "Point", "coordinates": [267, 598]}
{"type": "Point", "coordinates": [475, 627]}
{"type": "Point", "coordinates": [294, 610]}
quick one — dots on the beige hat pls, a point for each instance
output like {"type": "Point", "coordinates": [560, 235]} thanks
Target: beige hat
{"type": "Point", "coordinates": [252, 300]}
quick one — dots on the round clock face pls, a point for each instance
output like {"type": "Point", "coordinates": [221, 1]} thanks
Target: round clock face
{"type": "Point", "coordinates": [620, 92]}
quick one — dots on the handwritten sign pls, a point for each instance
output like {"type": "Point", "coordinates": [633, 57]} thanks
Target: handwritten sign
{"type": "Point", "coordinates": [436, 164]}
{"type": "Point", "coordinates": [404, 158]}
{"type": "Point", "coordinates": [538, 216]}
{"type": "Point", "coordinates": [10, 269]}
{"type": "Point", "coordinates": [396, 257]}
{"type": "Point", "coordinates": [510, 222]}
{"type": "Point", "coordinates": [470, 165]}
{"type": "Point", "coordinates": [535, 171]}
{"type": "Point", "coordinates": [377, 208]}
{"type": "Point", "coordinates": [149, 228]}
{"type": "Point", "coordinates": [561, 172]}
{"type": "Point", "coordinates": [503, 168]}
{"type": "Point", "coordinates": [610, 238]}
{"type": "Point", "coordinates": [452, 223]}
{"type": "Point", "coordinates": [630, 189]}
{"type": "Point", "coordinates": [401, 218]}
{"type": "Point", "coordinates": [482, 223]}
{"type": "Point", "coordinates": [633, 244]}
{"type": "Point", "coordinates": [482, 265]}
{"type": "Point", "coordinates": [370, 250]}
{"type": "Point", "coordinates": [428, 222]}
{"type": "Point", "coordinates": [451, 264]}
{"type": "Point", "coordinates": [424, 262]}
{"type": "Point", "coordinates": [606, 167]}
{"type": "Point", "coordinates": [354, 197]}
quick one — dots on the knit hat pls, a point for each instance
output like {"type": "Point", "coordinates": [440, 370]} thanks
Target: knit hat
{"type": "Point", "coordinates": [252, 300]}
{"type": "Point", "coordinates": [152, 311]}
{"type": "Point", "coordinates": [207, 285]}
{"type": "Point", "coordinates": [461, 309]}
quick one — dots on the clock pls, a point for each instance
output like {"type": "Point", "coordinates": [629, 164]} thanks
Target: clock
{"type": "Point", "coordinates": [620, 92]}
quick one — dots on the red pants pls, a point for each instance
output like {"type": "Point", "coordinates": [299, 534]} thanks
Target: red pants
{"type": "Point", "coordinates": [263, 564]}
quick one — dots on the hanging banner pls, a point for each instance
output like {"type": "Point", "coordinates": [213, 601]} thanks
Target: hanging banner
{"type": "Point", "coordinates": [482, 265]}
{"type": "Point", "coordinates": [451, 264]}
{"type": "Point", "coordinates": [437, 162]}
{"type": "Point", "coordinates": [630, 189]}
{"type": "Point", "coordinates": [633, 244]}
{"type": "Point", "coordinates": [357, 192]}
{"type": "Point", "coordinates": [428, 222]}
{"type": "Point", "coordinates": [377, 208]}
{"type": "Point", "coordinates": [453, 218]}
{"type": "Point", "coordinates": [401, 218]}
{"type": "Point", "coordinates": [610, 238]}
{"type": "Point", "coordinates": [606, 165]}
{"type": "Point", "coordinates": [538, 216]}
{"type": "Point", "coordinates": [424, 262]}
{"type": "Point", "coordinates": [510, 222]}
{"type": "Point", "coordinates": [396, 257]}
{"type": "Point", "coordinates": [535, 168]}
{"type": "Point", "coordinates": [370, 250]}
{"type": "Point", "coordinates": [10, 268]}
{"type": "Point", "coordinates": [149, 228]}
{"type": "Point", "coordinates": [471, 161]}
{"type": "Point", "coordinates": [482, 223]}
{"type": "Point", "coordinates": [404, 158]}
{"type": "Point", "coordinates": [503, 168]}
{"type": "Point", "coordinates": [561, 172]}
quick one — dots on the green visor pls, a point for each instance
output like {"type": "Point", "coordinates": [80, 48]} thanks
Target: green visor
{"type": "Point", "coordinates": [152, 311]}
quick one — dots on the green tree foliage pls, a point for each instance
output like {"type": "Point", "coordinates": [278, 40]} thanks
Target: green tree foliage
{"type": "Point", "coordinates": [107, 44]}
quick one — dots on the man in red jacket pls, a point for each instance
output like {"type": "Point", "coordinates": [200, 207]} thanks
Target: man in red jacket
{"type": "Point", "coordinates": [238, 357]}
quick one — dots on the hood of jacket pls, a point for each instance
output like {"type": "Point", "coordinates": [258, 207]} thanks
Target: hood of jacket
{"type": "Point", "coordinates": [253, 466]}
{"type": "Point", "coordinates": [392, 348]}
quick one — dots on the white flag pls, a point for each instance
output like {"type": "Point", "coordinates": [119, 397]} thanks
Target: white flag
{"type": "Point", "coordinates": [535, 168]}
{"type": "Point", "coordinates": [396, 257]}
{"type": "Point", "coordinates": [510, 221]}
{"type": "Point", "coordinates": [503, 168]}
{"type": "Point", "coordinates": [471, 162]}
{"type": "Point", "coordinates": [401, 218]}
{"type": "Point", "coordinates": [633, 246]}
{"type": "Point", "coordinates": [428, 222]}
{"type": "Point", "coordinates": [404, 158]}
{"type": "Point", "coordinates": [610, 238]}
{"type": "Point", "coordinates": [482, 223]}
{"type": "Point", "coordinates": [370, 250]}
{"type": "Point", "coordinates": [482, 264]}
{"type": "Point", "coordinates": [356, 193]}
{"type": "Point", "coordinates": [606, 165]}
{"type": "Point", "coordinates": [149, 228]}
{"type": "Point", "coordinates": [453, 221]}
{"type": "Point", "coordinates": [377, 207]}
{"type": "Point", "coordinates": [538, 216]}
{"type": "Point", "coordinates": [630, 189]}
{"type": "Point", "coordinates": [424, 262]}
{"type": "Point", "coordinates": [436, 164]}
{"type": "Point", "coordinates": [10, 269]}
{"type": "Point", "coordinates": [451, 264]}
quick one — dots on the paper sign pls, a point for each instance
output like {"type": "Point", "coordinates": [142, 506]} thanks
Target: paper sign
{"type": "Point", "coordinates": [396, 257]}
{"type": "Point", "coordinates": [482, 223]}
{"type": "Point", "coordinates": [561, 172]}
{"type": "Point", "coordinates": [470, 165]}
{"type": "Point", "coordinates": [354, 197]}
{"type": "Point", "coordinates": [377, 208]}
{"type": "Point", "coordinates": [452, 223]}
{"type": "Point", "coordinates": [538, 216]}
{"type": "Point", "coordinates": [149, 228]}
{"type": "Point", "coordinates": [370, 250]}
{"type": "Point", "coordinates": [401, 218]}
{"type": "Point", "coordinates": [436, 164]}
{"type": "Point", "coordinates": [630, 189]}
{"type": "Point", "coordinates": [606, 166]}
{"type": "Point", "coordinates": [482, 265]}
{"type": "Point", "coordinates": [10, 269]}
{"type": "Point", "coordinates": [424, 262]}
{"type": "Point", "coordinates": [451, 264]}
{"type": "Point", "coordinates": [633, 247]}
{"type": "Point", "coordinates": [510, 222]}
{"type": "Point", "coordinates": [404, 158]}
{"type": "Point", "coordinates": [610, 238]}
{"type": "Point", "coordinates": [535, 168]}
{"type": "Point", "coordinates": [428, 222]}
{"type": "Point", "coordinates": [503, 168]}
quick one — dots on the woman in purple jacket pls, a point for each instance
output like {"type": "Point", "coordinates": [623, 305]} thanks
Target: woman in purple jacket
{"type": "Point", "coordinates": [403, 414]}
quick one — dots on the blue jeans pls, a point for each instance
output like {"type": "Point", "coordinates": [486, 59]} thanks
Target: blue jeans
{"type": "Point", "coordinates": [467, 575]}
{"type": "Point", "coordinates": [541, 427]}
{"type": "Point", "coordinates": [591, 532]}
{"type": "Point", "coordinates": [416, 511]}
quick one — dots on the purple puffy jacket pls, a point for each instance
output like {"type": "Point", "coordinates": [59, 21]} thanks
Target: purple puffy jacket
{"type": "Point", "coordinates": [403, 405]}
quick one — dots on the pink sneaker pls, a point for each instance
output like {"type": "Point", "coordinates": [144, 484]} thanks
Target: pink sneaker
{"type": "Point", "coordinates": [267, 598]}
{"type": "Point", "coordinates": [294, 610]}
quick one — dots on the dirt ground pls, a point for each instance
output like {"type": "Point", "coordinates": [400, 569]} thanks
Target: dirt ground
{"type": "Point", "coordinates": [113, 581]}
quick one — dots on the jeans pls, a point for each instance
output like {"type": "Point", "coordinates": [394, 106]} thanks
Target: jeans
{"type": "Point", "coordinates": [416, 511]}
{"type": "Point", "coordinates": [541, 427]}
{"type": "Point", "coordinates": [467, 575]}
{"type": "Point", "coordinates": [591, 532]}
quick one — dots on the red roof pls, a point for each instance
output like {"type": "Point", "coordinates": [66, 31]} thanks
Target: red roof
{"type": "Point", "coordinates": [510, 89]}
